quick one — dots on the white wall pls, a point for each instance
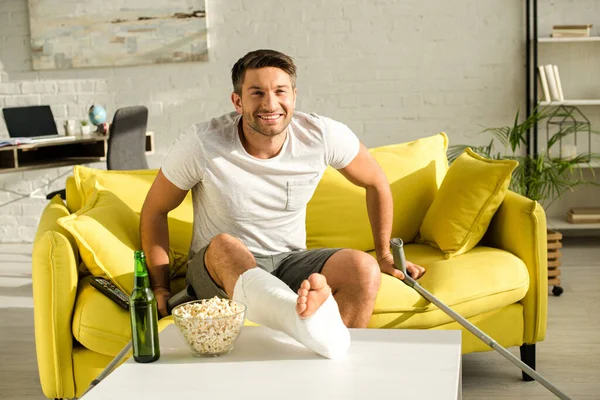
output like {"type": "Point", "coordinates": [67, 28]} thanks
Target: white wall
{"type": "Point", "coordinates": [392, 70]}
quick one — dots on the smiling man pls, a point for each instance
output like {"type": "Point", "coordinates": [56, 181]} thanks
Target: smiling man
{"type": "Point", "coordinates": [252, 173]}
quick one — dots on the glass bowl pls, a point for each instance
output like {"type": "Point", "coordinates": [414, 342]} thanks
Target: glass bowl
{"type": "Point", "coordinates": [210, 327]}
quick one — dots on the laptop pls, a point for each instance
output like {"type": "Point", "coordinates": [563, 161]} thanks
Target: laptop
{"type": "Point", "coordinates": [32, 124]}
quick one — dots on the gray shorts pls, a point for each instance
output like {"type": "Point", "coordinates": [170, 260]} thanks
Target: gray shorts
{"type": "Point", "coordinates": [291, 267]}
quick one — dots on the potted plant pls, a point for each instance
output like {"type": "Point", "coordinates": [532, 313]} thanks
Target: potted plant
{"type": "Point", "coordinates": [542, 177]}
{"type": "Point", "coordinates": [86, 128]}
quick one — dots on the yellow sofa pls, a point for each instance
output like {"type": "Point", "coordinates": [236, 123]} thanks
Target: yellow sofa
{"type": "Point", "coordinates": [500, 285]}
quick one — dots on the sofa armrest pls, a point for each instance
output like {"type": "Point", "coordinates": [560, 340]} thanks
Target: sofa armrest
{"type": "Point", "coordinates": [519, 226]}
{"type": "Point", "coordinates": [54, 280]}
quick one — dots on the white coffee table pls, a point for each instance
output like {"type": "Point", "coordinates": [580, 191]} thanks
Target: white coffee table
{"type": "Point", "coordinates": [265, 364]}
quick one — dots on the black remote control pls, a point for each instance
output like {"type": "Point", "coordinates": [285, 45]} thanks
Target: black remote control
{"type": "Point", "coordinates": [111, 291]}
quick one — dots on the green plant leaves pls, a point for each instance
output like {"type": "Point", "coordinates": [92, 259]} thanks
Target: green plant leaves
{"type": "Point", "coordinates": [540, 177]}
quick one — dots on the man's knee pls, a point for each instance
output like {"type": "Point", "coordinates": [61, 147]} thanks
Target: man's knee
{"type": "Point", "coordinates": [361, 271]}
{"type": "Point", "coordinates": [226, 250]}
{"type": "Point", "coordinates": [369, 274]}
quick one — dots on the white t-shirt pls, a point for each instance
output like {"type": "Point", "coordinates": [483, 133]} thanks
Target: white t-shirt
{"type": "Point", "coordinates": [261, 202]}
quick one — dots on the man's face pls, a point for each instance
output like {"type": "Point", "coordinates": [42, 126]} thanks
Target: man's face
{"type": "Point", "coordinates": [267, 100]}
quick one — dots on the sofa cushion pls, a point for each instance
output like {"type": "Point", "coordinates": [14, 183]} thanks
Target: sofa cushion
{"type": "Point", "coordinates": [469, 196]}
{"type": "Point", "coordinates": [107, 234]}
{"type": "Point", "coordinates": [99, 324]}
{"type": "Point", "coordinates": [73, 197]}
{"type": "Point", "coordinates": [131, 187]}
{"type": "Point", "coordinates": [337, 213]}
{"type": "Point", "coordinates": [481, 280]}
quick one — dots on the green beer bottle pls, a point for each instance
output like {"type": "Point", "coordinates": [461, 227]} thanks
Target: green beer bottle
{"type": "Point", "coordinates": [144, 314]}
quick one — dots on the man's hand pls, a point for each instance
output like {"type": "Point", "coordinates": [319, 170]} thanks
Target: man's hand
{"type": "Point", "coordinates": [162, 294]}
{"type": "Point", "coordinates": [386, 264]}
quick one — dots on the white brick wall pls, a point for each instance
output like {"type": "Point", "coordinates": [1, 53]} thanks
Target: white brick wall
{"type": "Point", "coordinates": [391, 70]}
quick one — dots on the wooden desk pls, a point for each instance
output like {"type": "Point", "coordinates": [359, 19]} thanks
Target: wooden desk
{"type": "Point", "coordinates": [59, 153]}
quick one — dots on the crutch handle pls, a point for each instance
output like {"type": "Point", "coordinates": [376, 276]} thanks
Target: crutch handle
{"type": "Point", "coordinates": [400, 260]}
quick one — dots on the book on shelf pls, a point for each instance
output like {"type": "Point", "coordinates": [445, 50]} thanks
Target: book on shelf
{"type": "Point", "coordinates": [585, 211]}
{"type": "Point", "coordinates": [561, 97]}
{"type": "Point", "coordinates": [14, 141]}
{"type": "Point", "coordinates": [584, 215]}
{"type": "Point", "coordinates": [544, 83]}
{"type": "Point", "coordinates": [571, 30]}
{"type": "Point", "coordinates": [552, 79]}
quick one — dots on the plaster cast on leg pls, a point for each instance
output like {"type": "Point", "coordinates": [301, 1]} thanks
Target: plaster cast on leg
{"type": "Point", "coordinates": [270, 302]}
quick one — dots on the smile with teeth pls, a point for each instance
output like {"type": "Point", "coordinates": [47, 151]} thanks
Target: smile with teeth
{"type": "Point", "coordinates": [269, 117]}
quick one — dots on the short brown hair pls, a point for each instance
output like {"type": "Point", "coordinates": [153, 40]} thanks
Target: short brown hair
{"type": "Point", "coordinates": [261, 59]}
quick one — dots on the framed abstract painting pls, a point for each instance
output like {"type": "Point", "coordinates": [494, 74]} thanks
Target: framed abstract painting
{"type": "Point", "coordinates": [100, 33]}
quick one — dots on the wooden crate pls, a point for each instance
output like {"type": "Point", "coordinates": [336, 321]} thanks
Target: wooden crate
{"type": "Point", "coordinates": [554, 244]}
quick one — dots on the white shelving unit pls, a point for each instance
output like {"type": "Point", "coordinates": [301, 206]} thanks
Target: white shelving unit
{"type": "Point", "coordinates": [592, 165]}
{"type": "Point", "coordinates": [571, 103]}
{"type": "Point", "coordinates": [584, 102]}
{"type": "Point", "coordinates": [563, 40]}
{"type": "Point", "coordinates": [561, 224]}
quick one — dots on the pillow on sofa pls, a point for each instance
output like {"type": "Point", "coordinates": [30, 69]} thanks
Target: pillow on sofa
{"type": "Point", "coordinates": [107, 233]}
{"type": "Point", "coordinates": [472, 191]}
{"type": "Point", "coordinates": [131, 187]}
{"type": "Point", "coordinates": [337, 213]}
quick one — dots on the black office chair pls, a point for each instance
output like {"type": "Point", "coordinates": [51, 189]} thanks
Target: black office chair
{"type": "Point", "coordinates": [126, 142]}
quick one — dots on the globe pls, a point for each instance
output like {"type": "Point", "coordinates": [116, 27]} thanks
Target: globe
{"type": "Point", "coordinates": [97, 115]}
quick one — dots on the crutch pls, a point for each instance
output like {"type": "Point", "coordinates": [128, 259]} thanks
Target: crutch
{"type": "Point", "coordinates": [109, 368]}
{"type": "Point", "coordinates": [400, 263]}
{"type": "Point", "coordinates": [185, 295]}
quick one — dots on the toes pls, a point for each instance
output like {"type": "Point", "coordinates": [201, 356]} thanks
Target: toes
{"type": "Point", "coordinates": [305, 285]}
{"type": "Point", "coordinates": [302, 292]}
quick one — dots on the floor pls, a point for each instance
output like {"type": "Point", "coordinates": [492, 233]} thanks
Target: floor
{"type": "Point", "coordinates": [569, 357]}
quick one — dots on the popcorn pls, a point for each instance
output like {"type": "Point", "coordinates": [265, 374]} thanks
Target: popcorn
{"type": "Point", "coordinates": [210, 327]}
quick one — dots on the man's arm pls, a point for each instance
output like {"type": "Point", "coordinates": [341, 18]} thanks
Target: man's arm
{"type": "Point", "coordinates": [162, 197]}
{"type": "Point", "coordinates": [364, 171]}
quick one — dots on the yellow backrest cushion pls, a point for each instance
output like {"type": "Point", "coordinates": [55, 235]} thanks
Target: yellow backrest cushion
{"type": "Point", "coordinates": [469, 196]}
{"type": "Point", "coordinates": [132, 187]}
{"type": "Point", "coordinates": [73, 196]}
{"type": "Point", "coordinates": [107, 234]}
{"type": "Point", "coordinates": [337, 213]}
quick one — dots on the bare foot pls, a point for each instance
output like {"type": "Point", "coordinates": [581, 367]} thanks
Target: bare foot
{"type": "Point", "coordinates": [312, 294]}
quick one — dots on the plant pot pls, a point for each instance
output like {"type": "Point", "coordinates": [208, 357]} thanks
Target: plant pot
{"type": "Point", "coordinates": [86, 129]}
{"type": "Point", "coordinates": [554, 244]}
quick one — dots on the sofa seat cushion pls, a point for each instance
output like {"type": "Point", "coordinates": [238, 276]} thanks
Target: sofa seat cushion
{"type": "Point", "coordinates": [99, 324]}
{"type": "Point", "coordinates": [481, 280]}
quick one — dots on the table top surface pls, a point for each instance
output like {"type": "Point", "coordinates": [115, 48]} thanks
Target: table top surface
{"type": "Point", "coordinates": [266, 364]}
